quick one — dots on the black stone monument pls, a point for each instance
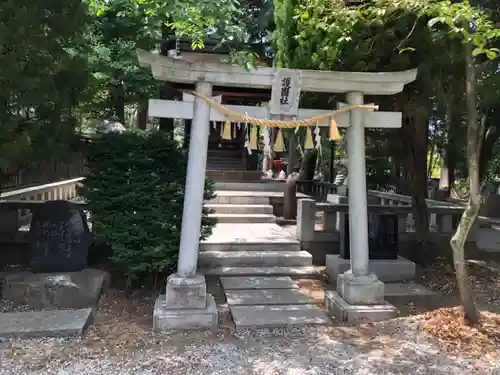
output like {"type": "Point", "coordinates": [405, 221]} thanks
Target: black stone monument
{"type": "Point", "coordinates": [382, 236]}
{"type": "Point", "coordinates": [59, 238]}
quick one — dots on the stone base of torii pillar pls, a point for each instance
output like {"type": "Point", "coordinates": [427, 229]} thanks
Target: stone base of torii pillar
{"type": "Point", "coordinates": [186, 305]}
{"type": "Point", "coordinates": [360, 294]}
{"type": "Point", "coordinates": [359, 299]}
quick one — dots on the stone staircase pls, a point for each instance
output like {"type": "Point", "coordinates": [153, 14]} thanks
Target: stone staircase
{"type": "Point", "coordinates": [247, 242]}
{"type": "Point", "coordinates": [225, 164]}
{"type": "Point", "coordinates": [225, 160]}
{"type": "Point", "coordinates": [241, 207]}
{"type": "Point", "coordinates": [257, 261]}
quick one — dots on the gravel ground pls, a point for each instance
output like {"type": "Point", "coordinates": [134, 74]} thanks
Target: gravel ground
{"type": "Point", "coordinates": [396, 347]}
{"type": "Point", "coordinates": [121, 342]}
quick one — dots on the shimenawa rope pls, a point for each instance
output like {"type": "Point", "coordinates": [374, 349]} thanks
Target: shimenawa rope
{"type": "Point", "coordinates": [287, 124]}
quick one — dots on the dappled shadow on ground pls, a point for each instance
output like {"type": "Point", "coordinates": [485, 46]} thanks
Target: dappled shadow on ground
{"type": "Point", "coordinates": [422, 343]}
{"type": "Point", "coordinates": [339, 350]}
{"type": "Point", "coordinates": [122, 333]}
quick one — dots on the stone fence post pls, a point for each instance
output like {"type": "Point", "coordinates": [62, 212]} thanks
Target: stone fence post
{"type": "Point", "coordinates": [445, 224]}
{"type": "Point", "coordinates": [306, 217]}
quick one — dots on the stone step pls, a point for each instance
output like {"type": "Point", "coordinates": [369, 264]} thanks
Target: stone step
{"type": "Point", "coordinates": [224, 168]}
{"type": "Point", "coordinates": [258, 282]}
{"type": "Point", "coordinates": [302, 272]}
{"type": "Point", "coordinates": [267, 316]}
{"type": "Point", "coordinates": [213, 259]}
{"type": "Point", "coordinates": [241, 208]}
{"type": "Point", "coordinates": [234, 176]}
{"type": "Point", "coordinates": [291, 245]}
{"type": "Point", "coordinates": [46, 323]}
{"type": "Point", "coordinates": [219, 152]}
{"type": "Point", "coordinates": [266, 297]}
{"type": "Point", "coordinates": [243, 218]}
{"type": "Point", "coordinates": [224, 160]}
{"type": "Point", "coordinates": [271, 186]}
{"type": "Point", "coordinates": [223, 165]}
{"type": "Point", "coordinates": [238, 199]}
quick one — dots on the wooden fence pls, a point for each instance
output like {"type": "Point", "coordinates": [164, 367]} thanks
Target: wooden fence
{"type": "Point", "coordinates": [44, 172]}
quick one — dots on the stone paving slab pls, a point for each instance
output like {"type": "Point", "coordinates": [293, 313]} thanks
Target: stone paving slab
{"type": "Point", "coordinates": [278, 316]}
{"type": "Point", "coordinates": [47, 323]}
{"type": "Point", "coordinates": [261, 233]}
{"type": "Point", "coordinates": [267, 297]}
{"type": "Point", "coordinates": [407, 290]}
{"type": "Point", "coordinates": [258, 282]}
{"type": "Point", "coordinates": [309, 271]}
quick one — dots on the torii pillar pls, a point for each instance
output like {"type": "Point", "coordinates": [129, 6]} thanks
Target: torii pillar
{"type": "Point", "coordinates": [186, 304]}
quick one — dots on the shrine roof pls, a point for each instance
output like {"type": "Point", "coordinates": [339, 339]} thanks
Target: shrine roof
{"type": "Point", "coordinates": [211, 47]}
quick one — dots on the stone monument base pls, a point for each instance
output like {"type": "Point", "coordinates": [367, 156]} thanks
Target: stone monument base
{"type": "Point", "coordinates": [387, 270]}
{"type": "Point", "coordinates": [69, 290]}
{"type": "Point", "coordinates": [186, 305]}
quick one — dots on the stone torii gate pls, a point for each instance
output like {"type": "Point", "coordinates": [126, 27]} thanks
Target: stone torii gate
{"type": "Point", "coordinates": [187, 304]}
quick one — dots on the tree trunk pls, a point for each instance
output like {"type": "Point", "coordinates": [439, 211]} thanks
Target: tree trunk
{"type": "Point", "coordinates": [118, 95]}
{"type": "Point", "coordinates": [415, 131]}
{"type": "Point", "coordinates": [308, 165]}
{"type": "Point", "coordinates": [290, 198]}
{"type": "Point", "coordinates": [451, 164]}
{"type": "Point", "coordinates": [187, 134]}
{"type": "Point", "coordinates": [474, 136]}
{"type": "Point", "coordinates": [142, 115]}
{"type": "Point", "coordinates": [489, 140]}
{"type": "Point", "coordinates": [292, 152]}
{"type": "Point", "coordinates": [332, 162]}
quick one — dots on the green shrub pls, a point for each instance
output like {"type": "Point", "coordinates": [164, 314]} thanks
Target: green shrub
{"type": "Point", "coordinates": [135, 193]}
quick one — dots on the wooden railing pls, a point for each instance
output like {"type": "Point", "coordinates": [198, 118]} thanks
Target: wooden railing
{"type": "Point", "coordinates": [16, 205]}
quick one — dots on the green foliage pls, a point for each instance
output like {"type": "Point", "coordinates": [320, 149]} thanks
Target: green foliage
{"type": "Point", "coordinates": [284, 35]}
{"type": "Point", "coordinates": [135, 193]}
{"type": "Point", "coordinates": [387, 35]}
{"type": "Point", "coordinates": [118, 80]}
{"type": "Point", "coordinates": [43, 77]}
{"type": "Point", "coordinates": [195, 19]}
